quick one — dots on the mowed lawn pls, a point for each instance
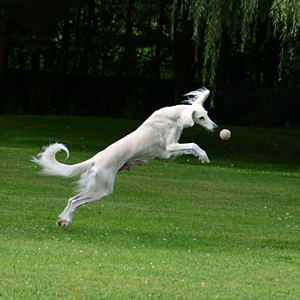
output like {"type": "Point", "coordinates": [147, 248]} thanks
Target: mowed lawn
{"type": "Point", "coordinates": [225, 230]}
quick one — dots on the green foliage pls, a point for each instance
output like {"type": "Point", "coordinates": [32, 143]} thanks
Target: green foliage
{"type": "Point", "coordinates": [286, 20]}
{"type": "Point", "coordinates": [217, 43]}
{"type": "Point", "coordinates": [211, 19]}
{"type": "Point", "coordinates": [225, 230]}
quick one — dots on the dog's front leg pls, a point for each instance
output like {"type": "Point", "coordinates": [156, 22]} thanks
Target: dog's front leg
{"type": "Point", "coordinates": [175, 150]}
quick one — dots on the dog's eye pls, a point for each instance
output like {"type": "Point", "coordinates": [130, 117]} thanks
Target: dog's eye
{"type": "Point", "coordinates": [201, 118]}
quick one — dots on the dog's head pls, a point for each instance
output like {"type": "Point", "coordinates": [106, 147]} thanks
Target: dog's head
{"type": "Point", "coordinates": [196, 112]}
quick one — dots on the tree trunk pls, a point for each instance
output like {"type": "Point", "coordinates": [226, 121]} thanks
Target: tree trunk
{"type": "Point", "coordinates": [34, 104]}
{"type": "Point", "coordinates": [89, 36]}
{"type": "Point", "coordinates": [77, 42]}
{"type": "Point", "coordinates": [125, 63]}
{"type": "Point", "coordinates": [184, 60]}
{"type": "Point", "coordinates": [65, 63]}
{"type": "Point", "coordinates": [21, 84]}
{"type": "Point", "coordinates": [126, 67]}
{"type": "Point", "coordinates": [158, 53]}
{"type": "Point", "coordinates": [4, 47]}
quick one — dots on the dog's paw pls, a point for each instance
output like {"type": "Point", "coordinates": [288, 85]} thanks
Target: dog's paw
{"type": "Point", "coordinates": [204, 159]}
{"type": "Point", "coordinates": [63, 224]}
{"type": "Point", "coordinates": [170, 159]}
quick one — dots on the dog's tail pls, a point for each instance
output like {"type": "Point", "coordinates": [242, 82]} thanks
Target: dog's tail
{"type": "Point", "coordinates": [51, 166]}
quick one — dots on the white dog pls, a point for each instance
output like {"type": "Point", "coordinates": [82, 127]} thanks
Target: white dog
{"type": "Point", "coordinates": [157, 138]}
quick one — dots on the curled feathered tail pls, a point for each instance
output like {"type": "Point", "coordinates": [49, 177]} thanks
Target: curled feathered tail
{"type": "Point", "coordinates": [51, 166]}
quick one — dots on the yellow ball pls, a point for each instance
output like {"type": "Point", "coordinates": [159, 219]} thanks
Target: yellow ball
{"type": "Point", "coordinates": [225, 134]}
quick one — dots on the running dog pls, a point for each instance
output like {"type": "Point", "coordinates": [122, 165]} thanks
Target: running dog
{"type": "Point", "coordinates": [157, 138]}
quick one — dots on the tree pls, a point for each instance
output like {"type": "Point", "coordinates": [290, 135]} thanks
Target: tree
{"type": "Point", "coordinates": [29, 25]}
{"type": "Point", "coordinates": [90, 56]}
{"type": "Point", "coordinates": [241, 21]}
{"type": "Point", "coordinates": [286, 21]}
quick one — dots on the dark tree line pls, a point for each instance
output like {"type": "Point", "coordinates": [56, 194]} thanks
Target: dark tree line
{"type": "Point", "coordinates": [126, 58]}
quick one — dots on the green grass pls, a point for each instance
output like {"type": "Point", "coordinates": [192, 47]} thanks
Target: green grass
{"type": "Point", "coordinates": [232, 225]}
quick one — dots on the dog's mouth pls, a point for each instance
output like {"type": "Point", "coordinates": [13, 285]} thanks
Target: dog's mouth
{"type": "Point", "coordinates": [215, 127]}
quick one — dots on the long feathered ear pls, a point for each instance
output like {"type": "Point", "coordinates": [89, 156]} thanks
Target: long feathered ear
{"type": "Point", "coordinates": [199, 96]}
{"type": "Point", "coordinates": [186, 119]}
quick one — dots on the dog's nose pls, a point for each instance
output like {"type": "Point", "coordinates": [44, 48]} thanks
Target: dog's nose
{"type": "Point", "coordinates": [215, 127]}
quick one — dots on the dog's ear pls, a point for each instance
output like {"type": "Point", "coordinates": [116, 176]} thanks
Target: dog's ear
{"type": "Point", "coordinates": [199, 96]}
{"type": "Point", "coordinates": [186, 119]}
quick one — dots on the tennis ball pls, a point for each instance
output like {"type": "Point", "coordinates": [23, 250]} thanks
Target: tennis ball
{"type": "Point", "coordinates": [225, 134]}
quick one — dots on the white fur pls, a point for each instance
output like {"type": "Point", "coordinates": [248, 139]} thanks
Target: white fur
{"type": "Point", "coordinates": [156, 138]}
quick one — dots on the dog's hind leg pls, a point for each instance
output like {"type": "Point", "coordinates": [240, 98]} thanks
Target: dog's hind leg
{"type": "Point", "coordinates": [96, 187]}
{"type": "Point", "coordinates": [65, 218]}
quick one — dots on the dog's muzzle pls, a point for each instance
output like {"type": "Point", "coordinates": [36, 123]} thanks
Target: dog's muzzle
{"type": "Point", "coordinates": [215, 127]}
